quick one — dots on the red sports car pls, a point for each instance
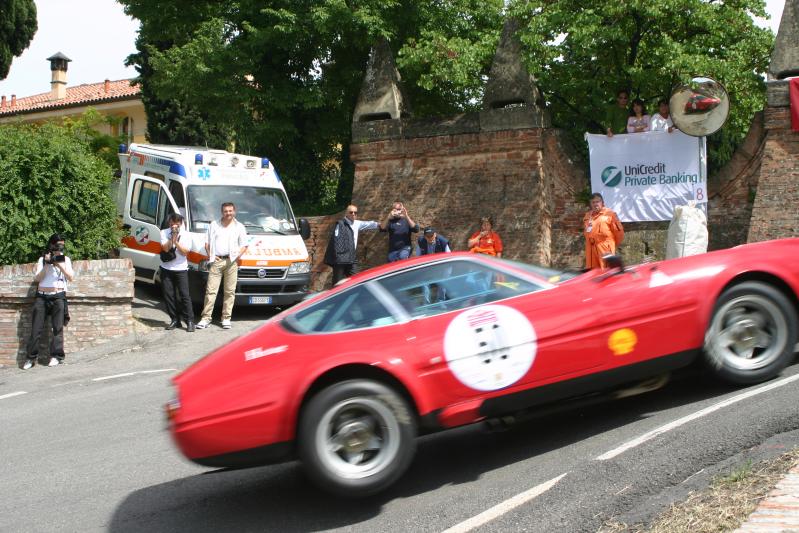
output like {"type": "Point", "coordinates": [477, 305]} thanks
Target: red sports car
{"type": "Point", "coordinates": [700, 103]}
{"type": "Point", "coordinates": [347, 379]}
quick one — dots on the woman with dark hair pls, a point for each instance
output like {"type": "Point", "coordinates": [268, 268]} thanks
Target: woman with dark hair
{"type": "Point", "coordinates": [639, 120]}
{"type": "Point", "coordinates": [603, 232]}
{"type": "Point", "coordinates": [486, 241]}
{"type": "Point", "coordinates": [53, 273]}
{"type": "Point", "coordinates": [661, 121]}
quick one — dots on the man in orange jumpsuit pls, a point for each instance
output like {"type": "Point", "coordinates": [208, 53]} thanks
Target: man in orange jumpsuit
{"type": "Point", "coordinates": [603, 232]}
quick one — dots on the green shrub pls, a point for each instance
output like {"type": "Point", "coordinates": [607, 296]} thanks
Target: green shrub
{"type": "Point", "coordinates": [52, 182]}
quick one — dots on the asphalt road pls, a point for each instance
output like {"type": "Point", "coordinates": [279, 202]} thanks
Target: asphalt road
{"type": "Point", "coordinates": [84, 449]}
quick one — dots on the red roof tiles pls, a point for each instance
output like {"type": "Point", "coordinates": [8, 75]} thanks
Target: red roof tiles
{"type": "Point", "coordinates": [86, 94]}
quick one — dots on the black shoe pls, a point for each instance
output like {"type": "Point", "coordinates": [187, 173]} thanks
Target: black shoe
{"type": "Point", "coordinates": [190, 327]}
{"type": "Point", "coordinates": [174, 324]}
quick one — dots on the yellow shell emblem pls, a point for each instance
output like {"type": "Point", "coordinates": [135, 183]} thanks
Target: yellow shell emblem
{"type": "Point", "coordinates": [622, 341]}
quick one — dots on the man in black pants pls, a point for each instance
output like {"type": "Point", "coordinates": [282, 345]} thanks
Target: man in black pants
{"type": "Point", "coordinates": [175, 245]}
{"type": "Point", "coordinates": [53, 272]}
{"type": "Point", "coordinates": [340, 253]}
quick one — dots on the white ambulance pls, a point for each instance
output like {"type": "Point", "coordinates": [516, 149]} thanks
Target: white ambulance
{"type": "Point", "coordinates": [158, 180]}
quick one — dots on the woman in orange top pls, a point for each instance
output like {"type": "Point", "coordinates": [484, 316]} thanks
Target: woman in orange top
{"type": "Point", "coordinates": [486, 241]}
{"type": "Point", "coordinates": [603, 232]}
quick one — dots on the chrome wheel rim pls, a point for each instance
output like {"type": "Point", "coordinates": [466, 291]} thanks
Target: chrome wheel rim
{"type": "Point", "coordinates": [357, 438]}
{"type": "Point", "coordinates": [747, 333]}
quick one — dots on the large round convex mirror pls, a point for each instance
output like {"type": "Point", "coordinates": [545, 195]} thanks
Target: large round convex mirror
{"type": "Point", "coordinates": [699, 107]}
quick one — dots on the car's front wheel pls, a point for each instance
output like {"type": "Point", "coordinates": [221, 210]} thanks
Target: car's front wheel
{"type": "Point", "coordinates": [752, 333]}
{"type": "Point", "coordinates": [356, 437]}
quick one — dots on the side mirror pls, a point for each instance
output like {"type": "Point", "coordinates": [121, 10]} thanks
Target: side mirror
{"type": "Point", "coordinates": [305, 229]}
{"type": "Point", "coordinates": [613, 262]}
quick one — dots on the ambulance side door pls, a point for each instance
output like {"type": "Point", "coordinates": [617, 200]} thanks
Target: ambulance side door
{"type": "Point", "coordinates": [147, 204]}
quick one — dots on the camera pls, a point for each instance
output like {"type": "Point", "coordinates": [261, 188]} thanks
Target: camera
{"type": "Point", "coordinates": [56, 254]}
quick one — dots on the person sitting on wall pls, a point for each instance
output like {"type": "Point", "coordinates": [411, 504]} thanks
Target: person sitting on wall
{"type": "Point", "coordinates": [617, 114]}
{"type": "Point", "coordinates": [431, 243]}
{"type": "Point", "coordinates": [53, 273]}
{"type": "Point", "coordinates": [638, 122]}
{"type": "Point", "coordinates": [661, 121]}
{"type": "Point", "coordinates": [486, 240]}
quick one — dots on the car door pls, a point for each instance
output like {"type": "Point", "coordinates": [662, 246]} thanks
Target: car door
{"type": "Point", "coordinates": [477, 328]}
{"type": "Point", "coordinates": [147, 205]}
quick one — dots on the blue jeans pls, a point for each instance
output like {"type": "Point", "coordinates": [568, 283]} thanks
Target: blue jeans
{"type": "Point", "coordinates": [397, 255]}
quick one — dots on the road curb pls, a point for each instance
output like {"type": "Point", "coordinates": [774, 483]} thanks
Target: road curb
{"type": "Point", "coordinates": [779, 511]}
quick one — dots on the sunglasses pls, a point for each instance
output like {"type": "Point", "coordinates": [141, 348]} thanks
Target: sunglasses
{"type": "Point", "coordinates": [353, 212]}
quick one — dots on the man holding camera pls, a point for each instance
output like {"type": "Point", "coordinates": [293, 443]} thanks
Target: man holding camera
{"type": "Point", "coordinates": [399, 226]}
{"type": "Point", "coordinates": [175, 245]}
{"type": "Point", "coordinates": [53, 272]}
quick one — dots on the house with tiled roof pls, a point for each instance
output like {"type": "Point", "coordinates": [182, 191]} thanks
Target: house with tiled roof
{"type": "Point", "coordinates": [111, 98]}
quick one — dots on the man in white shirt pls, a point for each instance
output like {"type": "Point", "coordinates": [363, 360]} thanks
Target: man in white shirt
{"type": "Point", "coordinates": [175, 245]}
{"type": "Point", "coordinates": [661, 121]}
{"type": "Point", "coordinates": [227, 240]}
{"type": "Point", "coordinates": [340, 254]}
{"type": "Point", "coordinates": [53, 273]}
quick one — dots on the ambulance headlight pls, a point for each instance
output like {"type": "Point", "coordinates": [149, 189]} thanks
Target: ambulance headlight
{"type": "Point", "coordinates": [302, 267]}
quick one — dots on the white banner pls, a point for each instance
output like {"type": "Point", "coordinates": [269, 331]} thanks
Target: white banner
{"type": "Point", "coordinates": [644, 176]}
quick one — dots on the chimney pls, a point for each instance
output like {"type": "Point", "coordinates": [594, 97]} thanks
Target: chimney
{"type": "Point", "coordinates": [13, 100]}
{"type": "Point", "coordinates": [3, 102]}
{"type": "Point", "coordinates": [107, 86]}
{"type": "Point", "coordinates": [58, 80]}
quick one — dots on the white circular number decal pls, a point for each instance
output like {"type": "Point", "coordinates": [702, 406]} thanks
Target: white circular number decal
{"type": "Point", "coordinates": [490, 347]}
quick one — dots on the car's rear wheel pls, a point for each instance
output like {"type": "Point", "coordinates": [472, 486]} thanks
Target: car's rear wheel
{"type": "Point", "coordinates": [357, 437]}
{"type": "Point", "coordinates": [752, 333]}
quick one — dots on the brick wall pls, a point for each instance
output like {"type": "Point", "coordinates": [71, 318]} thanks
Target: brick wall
{"type": "Point", "coordinates": [774, 214]}
{"type": "Point", "coordinates": [99, 298]}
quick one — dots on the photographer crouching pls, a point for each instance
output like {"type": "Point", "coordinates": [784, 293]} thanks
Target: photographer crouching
{"type": "Point", "coordinates": [53, 272]}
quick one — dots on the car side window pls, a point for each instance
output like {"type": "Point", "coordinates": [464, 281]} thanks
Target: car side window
{"type": "Point", "coordinates": [144, 201]}
{"type": "Point", "coordinates": [353, 309]}
{"type": "Point", "coordinates": [453, 285]}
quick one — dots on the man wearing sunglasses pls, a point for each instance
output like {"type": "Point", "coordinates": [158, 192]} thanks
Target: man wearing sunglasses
{"type": "Point", "coordinates": [340, 253]}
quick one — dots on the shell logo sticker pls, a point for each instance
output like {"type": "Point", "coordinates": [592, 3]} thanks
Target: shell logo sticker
{"type": "Point", "coordinates": [490, 347]}
{"type": "Point", "coordinates": [622, 341]}
{"type": "Point", "coordinates": [142, 235]}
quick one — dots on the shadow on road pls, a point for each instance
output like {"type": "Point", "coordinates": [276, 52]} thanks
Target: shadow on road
{"type": "Point", "coordinates": [279, 498]}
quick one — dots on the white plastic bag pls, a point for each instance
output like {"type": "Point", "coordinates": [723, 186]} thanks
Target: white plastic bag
{"type": "Point", "coordinates": [687, 232]}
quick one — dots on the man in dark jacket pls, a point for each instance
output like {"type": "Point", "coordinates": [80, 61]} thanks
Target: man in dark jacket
{"type": "Point", "coordinates": [340, 253]}
{"type": "Point", "coordinates": [399, 226]}
{"type": "Point", "coordinates": [431, 243]}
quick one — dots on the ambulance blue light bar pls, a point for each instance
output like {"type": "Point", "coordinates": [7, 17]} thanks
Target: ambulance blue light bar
{"type": "Point", "coordinates": [123, 148]}
{"type": "Point", "coordinates": [198, 159]}
{"type": "Point", "coordinates": [264, 162]}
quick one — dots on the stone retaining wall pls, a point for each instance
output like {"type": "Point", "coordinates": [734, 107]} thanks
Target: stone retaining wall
{"type": "Point", "coordinates": [99, 299]}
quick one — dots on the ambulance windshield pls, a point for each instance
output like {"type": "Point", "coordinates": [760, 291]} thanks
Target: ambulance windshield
{"type": "Point", "coordinates": [260, 209]}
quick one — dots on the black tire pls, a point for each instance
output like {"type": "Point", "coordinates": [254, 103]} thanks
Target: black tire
{"type": "Point", "coordinates": [376, 433]}
{"type": "Point", "coordinates": [751, 335]}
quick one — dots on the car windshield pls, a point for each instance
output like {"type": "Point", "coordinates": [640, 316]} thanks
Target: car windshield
{"type": "Point", "coordinates": [260, 209]}
{"type": "Point", "coordinates": [552, 275]}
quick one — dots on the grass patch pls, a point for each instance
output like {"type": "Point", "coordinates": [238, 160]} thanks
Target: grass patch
{"type": "Point", "coordinates": [723, 506]}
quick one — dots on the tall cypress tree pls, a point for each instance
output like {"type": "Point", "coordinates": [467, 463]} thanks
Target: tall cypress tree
{"type": "Point", "coordinates": [17, 27]}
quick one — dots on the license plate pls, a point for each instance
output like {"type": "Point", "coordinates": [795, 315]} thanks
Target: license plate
{"type": "Point", "coordinates": [260, 299]}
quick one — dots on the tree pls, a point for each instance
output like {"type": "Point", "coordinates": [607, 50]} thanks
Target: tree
{"type": "Point", "coordinates": [51, 181]}
{"type": "Point", "coordinates": [583, 52]}
{"type": "Point", "coordinates": [283, 77]}
{"type": "Point", "coordinates": [17, 28]}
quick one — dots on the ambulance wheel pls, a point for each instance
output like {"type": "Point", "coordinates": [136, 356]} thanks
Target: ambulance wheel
{"type": "Point", "coordinates": [356, 437]}
{"type": "Point", "coordinates": [752, 334]}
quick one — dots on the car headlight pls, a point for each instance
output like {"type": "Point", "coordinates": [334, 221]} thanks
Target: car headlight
{"type": "Point", "coordinates": [302, 267]}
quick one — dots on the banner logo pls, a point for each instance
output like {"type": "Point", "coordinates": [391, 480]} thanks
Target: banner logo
{"type": "Point", "coordinates": [611, 176]}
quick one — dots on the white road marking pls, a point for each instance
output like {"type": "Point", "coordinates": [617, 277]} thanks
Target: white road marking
{"type": "Point", "coordinates": [684, 420]}
{"type": "Point", "coordinates": [114, 376]}
{"type": "Point", "coordinates": [503, 507]}
{"type": "Point", "coordinates": [126, 374]}
{"type": "Point", "coordinates": [12, 394]}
